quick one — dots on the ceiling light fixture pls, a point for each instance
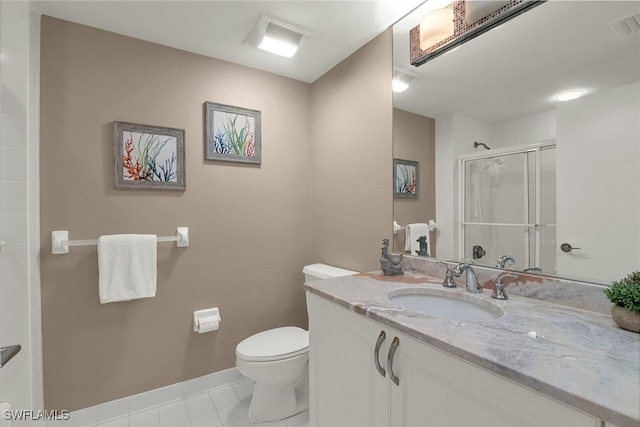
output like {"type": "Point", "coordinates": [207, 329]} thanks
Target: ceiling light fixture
{"type": "Point", "coordinates": [276, 36]}
{"type": "Point", "coordinates": [401, 80]}
{"type": "Point", "coordinates": [398, 86]}
{"type": "Point", "coordinates": [569, 95]}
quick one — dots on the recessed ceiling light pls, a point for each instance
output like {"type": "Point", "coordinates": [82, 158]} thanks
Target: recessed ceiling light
{"type": "Point", "coordinates": [398, 86]}
{"type": "Point", "coordinates": [276, 36]}
{"type": "Point", "coordinates": [401, 80]}
{"type": "Point", "coordinates": [278, 46]}
{"type": "Point", "coordinates": [569, 95]}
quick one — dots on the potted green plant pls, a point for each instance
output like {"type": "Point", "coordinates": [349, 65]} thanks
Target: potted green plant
{"type": "Point", "coordinates": [625, 294]}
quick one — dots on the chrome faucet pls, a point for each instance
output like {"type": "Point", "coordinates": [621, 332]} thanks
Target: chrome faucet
{"type": "Point", "coordinates": [471, 277]}
{"type": "Point", "coordinates": [505, 259]}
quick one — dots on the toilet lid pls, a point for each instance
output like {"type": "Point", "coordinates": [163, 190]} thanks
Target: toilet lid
{"type": "Point", "coordinates": [274, 344]}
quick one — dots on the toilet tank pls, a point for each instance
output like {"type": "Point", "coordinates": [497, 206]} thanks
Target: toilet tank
{"type": "Point", "coordinates": [324, 271]}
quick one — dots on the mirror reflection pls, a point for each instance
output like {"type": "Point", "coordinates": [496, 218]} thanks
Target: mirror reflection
{"type": "Point", "coordinates": [512, 173]}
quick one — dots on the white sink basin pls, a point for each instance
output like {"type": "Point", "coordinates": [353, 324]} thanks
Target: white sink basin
{"type": "Point", "coordinates": [446, 305]}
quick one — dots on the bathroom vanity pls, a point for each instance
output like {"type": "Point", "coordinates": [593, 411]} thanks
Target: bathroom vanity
{"type": "Point", "coordinates": [373, 363]}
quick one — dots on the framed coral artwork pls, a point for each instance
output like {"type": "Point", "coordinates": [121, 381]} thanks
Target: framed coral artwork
{"type": "Point", "coordinates": [148, 157]}
{"type": "Point", "coordinates": [232, 133]}
{"type": "Point", "coordinates": [405, 179]}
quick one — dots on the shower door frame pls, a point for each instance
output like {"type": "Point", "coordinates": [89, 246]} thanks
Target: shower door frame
{"type": "Point", "coordinates": [537, 149]}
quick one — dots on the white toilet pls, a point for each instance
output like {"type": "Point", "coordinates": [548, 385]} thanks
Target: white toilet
{"type": "Point", "coordinates": [278, 361]}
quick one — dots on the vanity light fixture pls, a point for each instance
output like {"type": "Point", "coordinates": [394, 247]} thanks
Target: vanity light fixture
{"type": "Point", "coordinates": [569, 95]}
{"type": "Point", "coordinates": [435, 27]}
{"type": "Point", "coordinates": [401, 80]}
{"type": "Point", "coordinates": [445, 27]}
{"type": "Point", "coordinates": [276, 36]}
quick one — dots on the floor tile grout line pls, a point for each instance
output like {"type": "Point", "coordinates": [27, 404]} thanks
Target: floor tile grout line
{"type": "Point", "coordinates": [204, 413]}
{"type": "Point", "coordinates": [189, 419]}
{"type": "Point", "coordinates": [183, 398]}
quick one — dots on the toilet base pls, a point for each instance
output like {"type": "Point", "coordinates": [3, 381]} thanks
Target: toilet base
{"type": "Point", "coordinates": [273, 402]}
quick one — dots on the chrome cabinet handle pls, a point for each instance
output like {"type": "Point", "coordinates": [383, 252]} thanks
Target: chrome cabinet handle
{"type": "Point", "coordinates": [376, 353]}
{"type": "Point", "coordinates": [392, 351]}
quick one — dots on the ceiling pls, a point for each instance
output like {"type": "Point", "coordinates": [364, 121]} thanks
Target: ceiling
{"type": "Point", "coordinates": [516, 69]}
{"type": "Point", "coordinates": [511, 71]}
{"type": "Point", "coordinates": [218, 28]}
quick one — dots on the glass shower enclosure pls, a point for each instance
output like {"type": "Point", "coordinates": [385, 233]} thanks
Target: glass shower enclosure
{"type": "Point", "coordinates": [508, 206]}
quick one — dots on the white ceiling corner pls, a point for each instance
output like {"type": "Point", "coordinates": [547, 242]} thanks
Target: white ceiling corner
{"type": "Point", "coordinates": [218, 28]}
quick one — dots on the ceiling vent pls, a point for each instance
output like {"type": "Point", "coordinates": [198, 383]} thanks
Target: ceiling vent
{"type": "Point", "coordinates": [276, 36]}
{"type": "Point", "coordinates": [627, 27]}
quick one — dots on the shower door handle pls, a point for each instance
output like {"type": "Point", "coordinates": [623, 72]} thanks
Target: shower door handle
{"type": "Point", "coordinates": [566, 247]}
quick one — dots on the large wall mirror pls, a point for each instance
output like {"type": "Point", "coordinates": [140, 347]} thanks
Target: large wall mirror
{"type": "Point", "coordinates": [506, 168]}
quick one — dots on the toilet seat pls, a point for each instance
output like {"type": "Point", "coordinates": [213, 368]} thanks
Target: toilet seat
{"type": "Point", "coordinates": [275, 344]}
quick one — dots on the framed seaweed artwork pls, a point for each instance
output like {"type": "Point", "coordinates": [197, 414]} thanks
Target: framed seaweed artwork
{"type": "Point", "coordinates": [148, 157]}
{"type": "Point", "coordinates": [232, 133]}
{"type": "Point", "coordinates": [405, 179]}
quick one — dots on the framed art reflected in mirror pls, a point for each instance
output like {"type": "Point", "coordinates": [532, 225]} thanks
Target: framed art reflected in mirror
{"type": "Point", "coordinates": [405, 179]}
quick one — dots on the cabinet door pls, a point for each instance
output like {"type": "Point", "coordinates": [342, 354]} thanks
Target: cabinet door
{"type": "Point", "coordinates": [437, 389]}
{"type": "Point", "coordinates": [345, 389]}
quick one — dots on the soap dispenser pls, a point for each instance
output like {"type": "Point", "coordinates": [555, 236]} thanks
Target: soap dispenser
{"type": "Point", "coordinates": [449, 279]}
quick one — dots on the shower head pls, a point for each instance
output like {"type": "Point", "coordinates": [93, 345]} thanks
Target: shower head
{"type": "Point", "coordinates": [476, 143]}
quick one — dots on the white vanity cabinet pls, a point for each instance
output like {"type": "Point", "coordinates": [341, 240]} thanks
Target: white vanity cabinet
{"type": "Point", "coordinates": [434, 388]}
{"type": "Point", "coordinates": [345, 388]}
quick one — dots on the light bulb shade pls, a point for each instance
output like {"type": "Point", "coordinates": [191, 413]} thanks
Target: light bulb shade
{"type": "Point", "coordinates": [401, 80]}
{"type": "Point", "coordinates": [278, 46]}
{"type": "Point", "coordinates": [436, 27]}
{"type": "Point", "coordinates": [569, 95]}
{"type": "Point", "coordinates": [398, 86]}
{"type": "Point", "coordinates": [275, 36]}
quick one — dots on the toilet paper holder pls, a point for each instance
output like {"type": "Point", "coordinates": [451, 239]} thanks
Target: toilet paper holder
{"type": "Point", "coordinates": [206, 320]}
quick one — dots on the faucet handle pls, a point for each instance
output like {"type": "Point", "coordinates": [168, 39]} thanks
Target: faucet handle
{"type": "Point", "coordinates": [445, 264]}
{"type": "Point", "coordinates": [498, 291]}
{"type": "Point", "coordinates": [449, 280]}
{"type": "Point", "coordinates": [503, 275]}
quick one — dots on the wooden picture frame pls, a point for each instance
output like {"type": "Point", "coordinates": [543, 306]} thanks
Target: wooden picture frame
{"type": "Point", "coordinates": [232, 134]}
{"type": "Point", "coordinates": [148, 157]}
{"type": "Point", "coordinates": [406, 178]}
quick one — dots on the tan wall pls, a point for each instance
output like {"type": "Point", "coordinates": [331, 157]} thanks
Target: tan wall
{"type": "Point", "coordinates": [414, 138]}
{"type": "Point", "coordinates": [351, 149]}
{"type": "Point", "coordinates": [250, 226]}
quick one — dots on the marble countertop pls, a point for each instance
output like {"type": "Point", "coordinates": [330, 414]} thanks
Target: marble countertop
{"type": "Point", "coordinates": [575, 356]}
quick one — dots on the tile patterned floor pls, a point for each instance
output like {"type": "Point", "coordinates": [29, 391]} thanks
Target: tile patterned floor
{"type": "Point", "coordinates": [225, 406]}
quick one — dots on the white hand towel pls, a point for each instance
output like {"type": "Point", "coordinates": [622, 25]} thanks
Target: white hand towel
{"type": "Point", "coordinates": [411, 237]}
{"type": "Point", "coordinates": [127, 267]}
